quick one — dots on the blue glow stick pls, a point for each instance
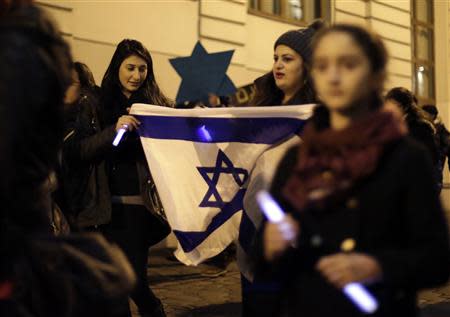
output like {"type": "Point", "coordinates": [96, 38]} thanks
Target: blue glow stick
{"type": "Point", "coordinates": [356, 292]}
{"type": "Point", "coordinates": [119, 135]}
{"type": "Point", "coordinates": [204, 134]}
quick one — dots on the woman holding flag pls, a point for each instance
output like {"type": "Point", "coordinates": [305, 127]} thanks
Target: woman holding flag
{"type": "Point", "coordinates": [289, 83]}
{"type": "Point", "coordinates": [359, 193]}
{"type": "Point", "coordinates": [134, 226]}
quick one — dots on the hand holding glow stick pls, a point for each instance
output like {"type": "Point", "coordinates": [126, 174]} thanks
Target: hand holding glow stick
{"type": "Point", "coordinates": [119, 134]}
{"type": "Point", "coordinates": [275, 214]}
{"type": "Point", "coordinates": [356, 292]}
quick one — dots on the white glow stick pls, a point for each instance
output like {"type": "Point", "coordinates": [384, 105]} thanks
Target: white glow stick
{"type": "Point", "coordinates": [356, 292]}
{"type": "Point", "coordinates": [275, 214]}
{"type": "Point", "coordinates": [119, 135]}
{"type": "Point", "coordinates": [361, 297]}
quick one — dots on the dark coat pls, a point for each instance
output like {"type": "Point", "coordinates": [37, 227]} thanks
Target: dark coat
{"type": "Point", "coordinates": [128, 171]}
{"type": "Point", "coordinates": [394, 215]}
{"type": "Point", "coordinates": [442, 137]}
{"type": "Point", "coordinates": [423, 132]}
{"type": "Point", "coordinates": [85, 189]}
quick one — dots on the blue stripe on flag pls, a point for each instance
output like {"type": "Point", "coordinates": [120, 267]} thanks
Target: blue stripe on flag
{"type": "Point", "coordinates": [190, 240]}
{"type": "Point", "coordinates": [213, 130]}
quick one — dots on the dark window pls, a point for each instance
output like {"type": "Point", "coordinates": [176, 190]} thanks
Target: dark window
{"type": "Point", "coordinates": [293, 11]}
{"type": "Point", "coordinates": [423, 50]}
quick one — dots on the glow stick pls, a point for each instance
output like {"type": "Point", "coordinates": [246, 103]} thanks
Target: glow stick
{"type": "Point", "coordinates": [119, 135]}
{"type": "Point", "coordinates": [356, 292]}
{"type": "Point", "coordinates": [275, 214]}
{"type": "Point", "coordinates": [361, 297]}
{"type": "Point", "coordinates": [204, 134]}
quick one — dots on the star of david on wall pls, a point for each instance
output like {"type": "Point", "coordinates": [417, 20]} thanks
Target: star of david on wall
{"type": "Point", "coordinates": [211, 176]}
{"type": "Point", "coordinates": [203, 73]}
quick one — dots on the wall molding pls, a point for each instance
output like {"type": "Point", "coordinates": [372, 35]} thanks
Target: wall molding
{"type": "Point", "coordinates": [208, 37]}
{"type": "Point", "coordinates": [399, 75]}
{"type": "Point", "coordinates": [202, 15]}
{"type": "Point", "coordinates": [401, 59]}
{"type": "Point", "coordinates": [391, 6]}
{"type": "Point", "coordinates": [351, 13]}
{"type": "Point", "coordinates": [53, 6]}
{"type": "Point", "coordinates": [390, 22]}
{"type": "Point", "coordinates": [395, 41]}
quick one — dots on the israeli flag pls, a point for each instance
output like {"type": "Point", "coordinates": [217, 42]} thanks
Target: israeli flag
{"type": "Point", "coordinates": [202, 162]}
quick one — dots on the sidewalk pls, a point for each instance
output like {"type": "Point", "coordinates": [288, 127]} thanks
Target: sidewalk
{"type": "Point", "coordinates": [185, 292]}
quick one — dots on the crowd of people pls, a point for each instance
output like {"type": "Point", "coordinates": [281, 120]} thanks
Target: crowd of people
{"type": "Point", "coordinates": [79, 214]}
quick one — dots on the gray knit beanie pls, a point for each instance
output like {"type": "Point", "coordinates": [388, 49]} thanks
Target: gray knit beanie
{"type": "Point", "coordinates": [300, 40]}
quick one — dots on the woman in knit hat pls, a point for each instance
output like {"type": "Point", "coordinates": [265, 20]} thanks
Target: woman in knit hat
{"type": "Point", "coordinates": [289, 82]}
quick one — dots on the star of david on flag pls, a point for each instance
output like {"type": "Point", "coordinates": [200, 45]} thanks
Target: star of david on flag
{"type": "Point", "coordinates": [202, 161]}
{"type": "Point", "coordinates": [212, 182]}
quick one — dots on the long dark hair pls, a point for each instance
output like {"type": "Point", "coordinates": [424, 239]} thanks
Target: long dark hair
{"type": "Point", "coordinates": [408, 103]}
{"type": "Point", "coordinates": [85, 75]}
{"type": "Point", "coordinates": [112, 88]}
{"type": "Point", "coordinates": [268, 94]}
{"type": "Point", "coordinates": [375, 50]}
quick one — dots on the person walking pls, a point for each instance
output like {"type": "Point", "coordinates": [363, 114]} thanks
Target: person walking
{"type": "Point", "coordinates": [136, 223]}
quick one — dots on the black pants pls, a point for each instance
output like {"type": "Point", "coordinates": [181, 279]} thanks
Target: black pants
{"type": "Point", "coordinates": [129, 228]}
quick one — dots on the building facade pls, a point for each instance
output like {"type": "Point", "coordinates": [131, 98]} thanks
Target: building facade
{"type": "Point", "coordinates": [416, 32]}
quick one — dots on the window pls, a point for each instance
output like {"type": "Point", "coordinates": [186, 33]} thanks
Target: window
{"type": "Point", "coordinates": [295, 11]}
{"type": "Point", "coordinates": [423, 50]}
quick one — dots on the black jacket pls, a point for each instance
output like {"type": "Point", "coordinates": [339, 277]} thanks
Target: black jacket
{"type": "Point", "coordinates": [423, 132]}
{"type": "Point", "coordinates": [443, 142]}
{"type": "Point", "coordinates": [127, 168]}
{"type": "Point", "coordinates": [394, 215]}
{"type": "Point", "coordinates": [85, 192]}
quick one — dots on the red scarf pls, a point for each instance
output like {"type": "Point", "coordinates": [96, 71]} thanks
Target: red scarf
{"type": "Point", "coordinates": [331, 161]}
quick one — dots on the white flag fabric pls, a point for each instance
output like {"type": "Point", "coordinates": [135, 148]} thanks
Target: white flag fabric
{"type": "Point", "coordinates": [201, 160]}
{"type": "Point", "coordinates": [252, 217]}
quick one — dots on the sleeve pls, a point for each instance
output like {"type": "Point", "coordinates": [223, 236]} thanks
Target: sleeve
{"type": "Point", "coordinates": [425, 134]}
{"type": "Point", "coordinates": [79, 146]}
{"type": "Point", "coordinates": [284, 169]}
{"type": "Point", "coordinates": [422, 258]}
{"type": "Point", "coordinates": [282, 174]}
{"type": "Point", "coordinates": [445, 141]}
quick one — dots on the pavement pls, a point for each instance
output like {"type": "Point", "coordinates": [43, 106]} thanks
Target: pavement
{"type": "Point", "coordinates": [185, 292]}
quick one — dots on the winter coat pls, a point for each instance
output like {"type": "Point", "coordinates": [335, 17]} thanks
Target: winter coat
{"type": "Point", "coordinates": [85, 191]}
{"type": "Point", "coordinates": [127, 168]}
{"type": "Point", "coordinates": [393, 215]}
